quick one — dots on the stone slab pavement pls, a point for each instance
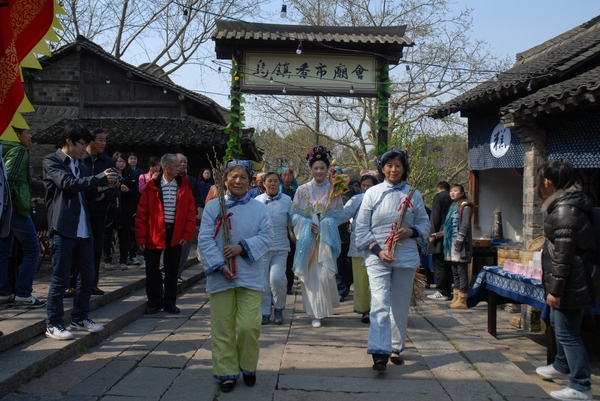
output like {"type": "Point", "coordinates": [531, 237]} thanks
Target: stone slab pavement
{"type": "Point", "coordinates": [164, 357]}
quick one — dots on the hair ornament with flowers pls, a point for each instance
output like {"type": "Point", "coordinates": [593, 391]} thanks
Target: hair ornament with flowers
{"type": "Point", "coordinates": [318, 152]}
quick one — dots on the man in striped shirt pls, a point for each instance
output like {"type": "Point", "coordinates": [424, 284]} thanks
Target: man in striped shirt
{"type": "Point", "coordinates": [165, 221]}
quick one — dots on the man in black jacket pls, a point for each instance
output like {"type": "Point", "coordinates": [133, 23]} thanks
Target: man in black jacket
{"type": "Point", "coordinates": [96, 162]}
{"type": "Point", "coordinates": [71, 238]}
{"type": "Point", "coordinates": [435, 246]}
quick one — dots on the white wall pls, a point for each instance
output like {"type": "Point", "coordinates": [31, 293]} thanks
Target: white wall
{"type": "Point", "coordinates": [501, 189]}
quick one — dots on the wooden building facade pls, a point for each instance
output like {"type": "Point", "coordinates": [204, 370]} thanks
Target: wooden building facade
{"type": "Point", "coordinates": [140, 112]}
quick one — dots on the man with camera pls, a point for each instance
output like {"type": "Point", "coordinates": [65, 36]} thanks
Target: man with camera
{"type": "Point", "coordinates": [96, 162]}
{"type": "Point", "coordinates": [67, 179]}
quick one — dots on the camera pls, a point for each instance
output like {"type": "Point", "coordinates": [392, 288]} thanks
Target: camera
{"type": "Point", "coordinates": [120, 178]}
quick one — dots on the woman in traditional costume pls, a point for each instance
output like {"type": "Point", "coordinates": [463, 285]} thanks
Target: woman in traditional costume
{"type": "Point", "coordinates": [391, 270]}
{"type": "Point", "coordinates": [235, 289]}
{"type": "Point", "coordinates": [274, 293]}
{"type": "Point", "coordinates": [314, 220]}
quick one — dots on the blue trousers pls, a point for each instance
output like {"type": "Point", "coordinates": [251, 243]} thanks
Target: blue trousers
{"type": "Point", "coordinates": [22, 228]}
{"type": "Point", "coordinates": [65, 251]}
{"type": "Point", "coordinates": [391, 289]}
{"type": "Point", "coordinates": [571, 356]}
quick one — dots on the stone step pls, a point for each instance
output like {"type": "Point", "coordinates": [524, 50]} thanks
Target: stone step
{"type": "Point", "coordinates": [25, 352]}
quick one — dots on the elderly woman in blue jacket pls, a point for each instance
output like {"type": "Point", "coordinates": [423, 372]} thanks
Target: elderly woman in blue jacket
{"type": "Point", "coordinates": [235, 295]}
{"type": "Point", "coordinates": [391, 275]}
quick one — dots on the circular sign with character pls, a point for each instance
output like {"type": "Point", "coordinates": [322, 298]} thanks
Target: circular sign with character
{"type": "Point", "coordinates": [500, 141]}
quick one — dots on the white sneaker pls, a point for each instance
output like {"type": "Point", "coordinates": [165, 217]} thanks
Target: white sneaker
{"type": "Point", "coordinates": [5, 299]}
{"type": "Point", "coordinates": [29, 302]}
{"type": "Point", "coordinates": [87, 325]}
{"type": "Point", "coordinates": [549, 373]}
{"type": "Point", "coordinates": [437, 296]}
{"type": "Point", "coordinates": [569, 394]}
{"type": "Point", "coordinates": [316, 323]}
{"type": "Point", "coordinates": [59, 332]}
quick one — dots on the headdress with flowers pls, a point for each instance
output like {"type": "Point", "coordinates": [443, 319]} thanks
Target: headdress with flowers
{"type": "Point", "coordinates": [318, 152]}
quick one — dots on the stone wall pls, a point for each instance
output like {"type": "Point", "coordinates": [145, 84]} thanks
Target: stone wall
{"type": "Point", "coordinates": [534, 139]}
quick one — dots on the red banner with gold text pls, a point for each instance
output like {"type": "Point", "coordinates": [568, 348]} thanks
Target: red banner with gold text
{"type": "Point", "coordinates": [23, 23]}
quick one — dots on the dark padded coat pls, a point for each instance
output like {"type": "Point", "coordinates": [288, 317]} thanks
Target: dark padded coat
{"type": "Point", "coordinates": [439, 208]}
{"type": "Point", "coordinates": [570, 244]}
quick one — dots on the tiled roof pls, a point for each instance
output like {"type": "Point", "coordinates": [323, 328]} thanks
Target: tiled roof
{"type": "Point", "coordinates": [582, 84]}
{"type": "Point", "coordinates": [220, 113]}
{"type": "Point", "coordinates": [337, 34]}
{"type": "Point", "coordinates": [388, 40]}
{"type": "Point", "coordinates": [547, 63]}
{"type": "Point", "coordinates": [189, 131]}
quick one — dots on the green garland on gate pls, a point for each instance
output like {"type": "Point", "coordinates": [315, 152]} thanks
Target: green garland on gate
{"type": "Point", "coordinates": [381, 117]}
{"type": "Point", "coordinates": [236, 114]}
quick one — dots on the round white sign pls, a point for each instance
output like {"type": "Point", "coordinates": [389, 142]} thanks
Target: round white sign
{"type": "Point", "coordinates": [500, 141]}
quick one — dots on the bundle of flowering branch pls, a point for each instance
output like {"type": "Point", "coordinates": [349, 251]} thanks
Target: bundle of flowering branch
{"type": "Point", "coordinates": [339, 186]}
{"type": "Point", "coordinates": [223, 221]}
{"type": "Point", "coordinates": [418, 290]}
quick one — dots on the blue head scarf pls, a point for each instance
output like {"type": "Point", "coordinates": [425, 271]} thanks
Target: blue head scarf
{"type": "Point", "coordinates": [247, 164]}
{"type": "Point", "coordinates": [294, 182]}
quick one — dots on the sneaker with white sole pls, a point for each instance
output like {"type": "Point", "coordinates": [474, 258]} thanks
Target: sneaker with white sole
{"type": "Point", "coordinates": [29, 302]}
{"type": "Point", "coordinates": [570, 394]}
{"type": "Point", "coordinates": [549, 373]}
{"type": "Point", "coordinates": [87, 325]}
{"type": "Point", "coordinates": [5, 299]}
{"type": "Point", "coordinates": [316, 323]}
{"type": "Point", "coordinates": [59, 332]}
{"type": "Point", "coordinates": [437, 296]}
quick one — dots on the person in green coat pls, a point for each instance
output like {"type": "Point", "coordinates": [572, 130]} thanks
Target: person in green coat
{"type": "Point", "coordinates": [16, 159]}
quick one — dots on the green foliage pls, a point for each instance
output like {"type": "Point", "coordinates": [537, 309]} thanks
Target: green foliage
{"type": "Point", "coordinates": [381, 116]}
{"type": "Point", "coordinates": [433, 159]}
{"type": "Point", "coordinates": [236, 115]}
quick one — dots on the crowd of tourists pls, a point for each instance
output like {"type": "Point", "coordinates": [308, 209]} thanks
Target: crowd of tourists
{"type": "Point", "coordinates": [258, 232]}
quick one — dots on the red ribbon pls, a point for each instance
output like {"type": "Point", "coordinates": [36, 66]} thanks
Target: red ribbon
{"type": "Point", "coordinates": [390, 237]}
{"type": "Point", "coordinates": [220, 222]}
{"type": "Point", "coordinates": [406, 202]}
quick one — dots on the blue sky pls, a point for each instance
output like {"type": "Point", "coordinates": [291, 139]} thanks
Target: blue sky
{"type": "Point", "coordinates": [512, 26]}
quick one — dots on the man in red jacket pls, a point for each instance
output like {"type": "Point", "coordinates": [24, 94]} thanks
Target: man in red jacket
{"type": "Point", "coordinates": [165, 220]}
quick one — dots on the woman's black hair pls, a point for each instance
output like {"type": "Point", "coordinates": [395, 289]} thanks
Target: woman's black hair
{"type": "Point", "coordinates": [153, 161]}
{"type": "Point", "coordinates": [561, 173]}
{"type": "Point", "coordinates": [395, 154]}
{"type": "Point", "coordinates": [462, 189]}
{"type": "Point", "coordinates": [365, 177]}
{"type": "Point", "coordinates": [120, 155]}
{"type": "Point", "coordinates": [268, 173]}
{"type": "Point", "coordinates": [211, 180]}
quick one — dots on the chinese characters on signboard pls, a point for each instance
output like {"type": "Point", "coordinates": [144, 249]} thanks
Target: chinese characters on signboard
{"type": "Point", "coordinates": [500, 141]}
{"type": "Point", "coordinates": [342, 75]}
